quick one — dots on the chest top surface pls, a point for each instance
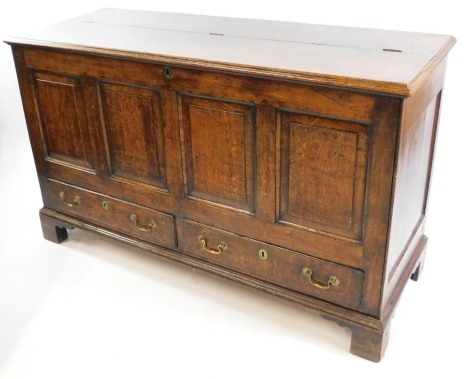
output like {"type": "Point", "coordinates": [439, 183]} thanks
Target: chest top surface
{"type": "Point", "coordinates": [378, 60]}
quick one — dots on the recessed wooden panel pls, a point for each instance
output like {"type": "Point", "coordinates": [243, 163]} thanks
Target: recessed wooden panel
{"type": "Point", "coordinates": [61, 111]}
{"type": "Point", "coordinates": [322, 173]}
{"type": "Point", "coordinates": [218, 138]}
{"type": "Point", "coordinates": [134, 133]}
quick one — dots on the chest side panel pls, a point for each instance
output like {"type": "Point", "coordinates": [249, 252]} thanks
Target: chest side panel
{"type": "Point", "coordinates": [420, 117]}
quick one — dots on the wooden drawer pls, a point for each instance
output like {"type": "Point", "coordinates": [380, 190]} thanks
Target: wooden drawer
{"type": "Point", "coordinates": [315, 277]}
{"type": "Point", "coordinates": [126, 218]}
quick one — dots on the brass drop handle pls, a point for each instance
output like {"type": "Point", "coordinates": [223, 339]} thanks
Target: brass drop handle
{"type": "Point", "coordinates": [151, 224]}
{"type": "Point", "coordinates": [332, 281]}
{"type": "Point", "coordinates": [75, 201]}
{"type": "Point", "coordinates": [220, 247]}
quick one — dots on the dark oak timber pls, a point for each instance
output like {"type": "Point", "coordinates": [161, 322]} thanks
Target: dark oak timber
{"type": "Point", "coordinates": [53, 229]}
{"type": "Point", "coordinates": [292, 158]}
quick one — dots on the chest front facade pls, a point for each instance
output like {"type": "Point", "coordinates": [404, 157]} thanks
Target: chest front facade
{"type": "Point", "coordinates": [282, 185]}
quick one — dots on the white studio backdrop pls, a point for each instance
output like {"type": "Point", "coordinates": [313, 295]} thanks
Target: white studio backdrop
{"type": "Point", "coordinates": [93, 308]}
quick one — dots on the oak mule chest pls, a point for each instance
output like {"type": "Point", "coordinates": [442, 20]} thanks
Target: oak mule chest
{"type": "Point", "coordinates": [289, 157]}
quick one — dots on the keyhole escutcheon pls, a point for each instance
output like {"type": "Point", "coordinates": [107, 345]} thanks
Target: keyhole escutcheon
{"type": "Point", "coordinates": [168, 72]}
{"type": "Point", "coordinates": [263, 254]}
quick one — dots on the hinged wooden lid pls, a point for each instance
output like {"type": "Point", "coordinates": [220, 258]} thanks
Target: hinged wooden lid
{"type": "Point", "coordinates": [374, 60]}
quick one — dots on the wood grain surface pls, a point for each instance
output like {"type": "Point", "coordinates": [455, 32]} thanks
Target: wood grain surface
{"type": "Point", "coordinates": [352, 57]}
{"type": "Point", "coordinates": [175, 134]}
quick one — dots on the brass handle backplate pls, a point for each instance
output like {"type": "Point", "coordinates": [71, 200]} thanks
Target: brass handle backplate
{"type": "Point", "coordinates": [75, 201]}
{"type": "Point", "coordinates": [151, 224]}
{"type": "Point", "coordinates": [332, 281]}
{"type": "Point", "coordinates": [220, 247]}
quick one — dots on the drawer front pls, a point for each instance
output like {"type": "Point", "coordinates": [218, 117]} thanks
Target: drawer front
{"type": "Point", "coordinates": [315, 277]}
{"type": "Point", "coordinates": [126, 218]}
